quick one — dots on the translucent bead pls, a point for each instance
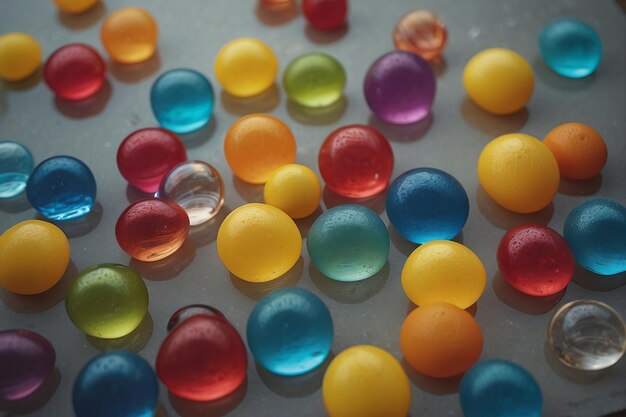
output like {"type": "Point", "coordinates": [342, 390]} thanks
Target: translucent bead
{"type": "Point", "coordinates": [314, 80]}
{"type": "Point", "coordinates": [20, 56]}
{"type": "Point", "coordinates": [130, 35]}
{"type": "Point", "coordinates": [16, 164]}
{"type": "Point", "coordinates": [421, 32]}
{"type": "Point", "coordinates": [75, 71]}
{"type": "Point", "coordinates": [75, 6]}
{"type": "Point", "coordinates": [325, 14]}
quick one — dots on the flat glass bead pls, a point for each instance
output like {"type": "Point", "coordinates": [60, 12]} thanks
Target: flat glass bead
{"type": "Point", "coordinates": [75, 71]}
{"type": "Point", "coordinates": [421, 32]}
{"type": "Point", "coordinates": [130, 35]}
{"type": "Point", "coordinates": [20, 56]}
{"type": "Point", "coordinates": [16, 164]}
{"type": "Point", "coordinates": [325, 14]}
{"type": "Point", "coordinates": [314, 80]}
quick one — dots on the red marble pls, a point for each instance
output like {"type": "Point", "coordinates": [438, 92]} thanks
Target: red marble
{"type": "Point", "coordinates": [325, 14]}
{"type": "Point", "coordinates": [75, 71]}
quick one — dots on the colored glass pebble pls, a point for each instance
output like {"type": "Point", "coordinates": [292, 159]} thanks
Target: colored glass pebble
{"type": "Point", "coordinates": [366, 381]}
{"type": "Point", "coordinates": [290, 331]}
{"type": "Point", "coordinates": [16, 164]}
{"type": "Point", "coordinates": [147, 155]}
{"type": "Point", "coordinates": [570, 47]}
{"type": "Point", "coordinates": [400, 88]}
{"type": "Point", "coordinates": [314, 80]}
{"type": "Point", "coordinates": [258, 242]}
{"type": "Point", "coordinates": [595, 231]}
{"type": "Point", "coordinates": [195, 186]}
{"type": "Point", "coordinates": [75, 6]}
{"type": "Point", "coordinates": [295, 189]}
{"type": "Point", "coordinates": [203, 357]}
{"type": "Point", "coordinates": [494, 388]}
{"type": "Point", "coordinates": [116, 383]}
{"type": "Point", "coordinates": [182, 100]}
{"type": "Point", "coordinates": [356, 161]}
{"type": "Point", "coordinates": [26, 359]}
{"type": "Point", "coordinates": [75, 71]}
{"type": "Point", "coordinates": [421, 32]}
{"type": "Point", "coordinates": [587, 335]}
{"type": "Point", "coordinates": [107, 301]}
{"type": "Point", "coordinates": [325, 14]}
{"type": "Point", "coordinates": [426, 204]}
{"type": "Point", "coordinates": [518, 172]}
{"type": "Point", "coordinates": [20, 56]}
{"type": "Point", "coordinates": [130, 35]}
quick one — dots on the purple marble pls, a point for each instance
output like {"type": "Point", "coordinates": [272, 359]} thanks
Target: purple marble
{"type": "Point", "coordinates": [400, 88]}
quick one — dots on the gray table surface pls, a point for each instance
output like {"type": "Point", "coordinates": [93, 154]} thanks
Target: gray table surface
{"type": "Point", "coordinates": [371, 311]}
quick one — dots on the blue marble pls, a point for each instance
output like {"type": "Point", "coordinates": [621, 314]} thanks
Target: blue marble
{"type": "Point", "coordinates": [16, 164]}
{"type": "Point", "coordinates": [426, 204]}
{"type": "Point", "coordinates": [182, 100]}
{"type": "Point", "coordinates": [290, 331]}
{"type": "Point", "coordinates": [62, 188]}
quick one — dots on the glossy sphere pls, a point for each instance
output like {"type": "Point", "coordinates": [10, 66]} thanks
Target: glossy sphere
{"type": "Point", "coordinates": [440, 340]}
{"type": "Point", "coordinates": [75, 6]}
{"type": "Point", "coordinates": [595, 231]}
{"type": "Point", "coordinates": [130, 35]}
{"type": "Point", "coordinates": [195, 186]}
{"type": "Point", "coordinates": [62, 188]}
{"type": "Point", "coordinates": [258, 242]}
{"type": "Point", "coordinates": [325, 14]}
{"type": "Point", "coordinates": [366, 381]}
{"type": "Point", "coordinates": [421, 32]}
{"type": "Point", "coordinates": [256, 145]}
{"type": "Point", "coordinates": [400, 88]}
{"type": "Point", "coordinates": [426, 204]}
{"type": "Point", "coordinates": [20, 56]}
{"type": "Point", "coordinates": [146, 155]}
{"type": "Point", "coordinates": [116, 383]}
{"type": "Point", "coordinates": [356, 161]}
{"type": "Point", "coordinates": [26, 360]}
{"type": "Point", "coordinates": [107, 301]}
{"type": "Point", "coordinates": [203, 357]}
{"type": "Point", "coordinates": [294, 189]}
{"type": "Point", "coordinates": [16, 164]}
{"type": "Point", "coordinates": [518, 172]}
{"type": "Point", "coordinates": [314, 80]}
{"type": "Point", "coordinates": [587, 335]}
{"type": "Point", "coordinates": [494, 388]}
{"type": "Point", "coordinates": [152, 229]}
{"type": "Point", "coordinates": [74, 71]}
{"type": "Point", "coordinates": [246, 67]}
{"type": "Point", "coordinates": [579, 150]}
{"type": "Point", "coordinates": [290, 332]}
{"type": "Point", "coordinates": [499, 80]}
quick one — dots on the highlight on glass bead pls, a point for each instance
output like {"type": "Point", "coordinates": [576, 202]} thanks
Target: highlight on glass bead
{"type": "Point", "coordinates": [203, 357]}
{"type": "Point", "coordinates": [258, 242]}
{"type": "Point", "coordinates": [145, 156]}
{"type": "Point", "coordinates": [257, 144]}
{"type": "Point", "coordinates": [348, 243]}
{"type": "Point", "coordinates": [314, 80]}
{"type": "Point", "coordinates": [400, 88]}
{"type": "Point", "coordinates": [75, 6]}
{"type": "Point", "coordinates": [195, 186]}
{"type": "Point", "coordinates": [116, 383]}
{"type": "Point", "coordinates": [130, 35]}
{"type": "Point", "coordinates": [595, 231]}
{"type": "Point", "coordinates": [26, 359]}
{"type": "Point", "coordinates": [152, 229]}
{"type": "Point", "coordinates": [290, 331]}
{"type": "Point", "coordinates": [494, 388]}
{"type": "Point", "coordinates": [62, 188]}
{"type": "Point", "coordinates": [356, 161]}
{"type": "Point", "coordinates": [587, 335]}
{"type": "Point", "coordinates": [295, 189]}
{"type": "Point", "coordinates": [499, 80]}
{"type": "Point", "coordinates": [535, 260]}
{"type": "Point", "coordinates": [107, 301]}
{"type": "Point", "coordinates": [570, 47]}
{"type": "Point", "coordinates": [16, 164]}
{"type": "Point", "coordinates": [20, 56]}
{"type": "Point", "coordinates": [182, 100]}
{"type": "Point", "coordinates": [421, 32]}
{"type": "Point", "coordinates": [426, 204]}
{"type": "Point", "coordinates": [366, 381]}
{"type": "Point", "coordinates": [75, 71]}
{"type": "Point", "coordinates": [246, 67]}
{"type": "Point", "coordinates": [518, 172]}
{"type": "Point", "coordinates": [325, 14]}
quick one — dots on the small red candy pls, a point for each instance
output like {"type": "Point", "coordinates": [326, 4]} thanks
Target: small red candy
{"type": "Point", "coordinates": [325, 14]}
{"type": "Point", "coordinates": [74, 71]}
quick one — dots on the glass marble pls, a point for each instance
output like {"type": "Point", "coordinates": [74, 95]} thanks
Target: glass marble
{"type": "Point", "coordinates": [400, 88]}
{"type": "Point", "coordinates": [152, 229]}
{"type": "Point", "coordinates": [348, 243]}
{"type": "Point", "coordinates": [314, 80]}
{"type": "Point", "coordinates": [130, 35]}
{"type": "Point", "coordinates": [26, 359]}
{"type": "Point", "coordinates": [182, 100]}
{"type": "Point", "coordinates": [495, 388]}
{"type": "Point", "coordinates": [107, 301]}
{"type": "Point", "coordinates": [325, 14]}
{"type": "Point", "coordinates": [20, 56]}
{"type": "Point", "coordinates": [570, 47]}
{"type": "Point", "coordinates": [75, 71]}
{"type": "Point", "coordinates": [587, 335]}
{"type": "Point", "coordinates": [16, 164]}
{"type": "Point", "coordinates": [116, 383]}
{"type": "Point", "coordinates": [203, 357]}
{"type": "Point", "coordinates": [426, 204]}
{"type": "Point", "coordinates": [195, 186]}
{"type": "Point", "coordinates": [147, 155]}
{"type": "Point", "coordinates": [356, 161]}
{"type": "Point", "coordinates": [75, 6]}
{"type": "Point", "coordinates": [290, 331]}
{"type": "Point", "coordinates": [295, 189]}
{"type": "Point", "coordinates": [421, 32]}
{"type": "Point", "coordinates": [595, 231]}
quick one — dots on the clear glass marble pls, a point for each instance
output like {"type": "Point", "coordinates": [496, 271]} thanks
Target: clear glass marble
{"type": "Point", "coordinates": [16, 164]}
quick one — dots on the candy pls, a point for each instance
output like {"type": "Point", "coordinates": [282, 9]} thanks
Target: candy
{"type": "Point", "coordinates": [16, 164]}
{"type": "Point", "coordinates": [75, 71]}
{"type": "Point", "coordinates": [129, 35]}
{"type": "Point", "coordinates": [294, 189]}
{"type": "Point", "coordinates": [325, 14]}
{"type": "Point", "coordinates": [314, 80]}
{"type": "Point", "coordinates": [20, 56]}
{"type": "Point", "coordinates": [421, 32]}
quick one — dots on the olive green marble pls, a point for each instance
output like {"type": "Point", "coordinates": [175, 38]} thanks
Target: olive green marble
{"type": "Point", "coordinates": [314, 80]}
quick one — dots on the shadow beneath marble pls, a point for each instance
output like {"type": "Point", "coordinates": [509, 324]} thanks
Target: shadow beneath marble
{"type": "Point", "coordinates": [580, 188]}
{"type": "Point", "coordinates": [305, 223]}
{"type": "Point", "coordinates": [16, 204]}
{"type": "Point", "coordinates": [402, 133]}
{"type": "Point", "coordinates": [546, 76]}
{"type": "Point", "coordinates": [83, 20]}
{"type": "Point", "coordinates": [295, 386]}
{"type": "Point", "coordinates": [135, 194]}
{"type": "Point", "coordinates": [251, 193]}
{"type": "Point", "coordinates": [264, 102]}
{"type": "Point", "coordinates": [436, 386]}
{"type": "Point", "coordinates": [134, 73]}
{"type": "Point", "coordinates": [78, 226]}
{"type": "Point", "coordinates": [505, 219]}
{"type": "Point", "coordinates": [324, 37]}
{"type": "Point", "coordinates": [571, 374]}
{"type": "Point", "coordinates": [206, 233]}
{"type": "Point", "coordinates": [527, 304]}
{"type": "Point", "coordinates": [375, 203]}
{"type": "Point", "coordinates": [318, 116]}
{"type": "Point", "coordinates": [276, 13]}
{"type": "Point", "coordinates": [439, 66]}
{"type": "Point", "coordinates": [34, 401]}
{"type": "Point", "coordinates": [354, 292]}
{"type": "Point", "coordinates": [473, 309]}
{"type": "Point", "coordinates": [87, 107]}
{"type": "Point", "coordinates": [215, 408]}
{"type": "Point", "coordinates": [405, 247]}
{"type": "Point", "coordinates": [160, 410]}
{"type": "Point", "coordinates": [25, 84]}
{"type": "Point", "coordinates": [168, 267]}
{"type": "Point", "coordinates": [135, 341]}
{"type": "Point", "coordinates": [492, 125]}
{"type": "Point", "coordinates": [258, 290]}
{"type": "Point", "coordinates": [596, 282]}
{"type": "Point", "coordinates": [200, 136]}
